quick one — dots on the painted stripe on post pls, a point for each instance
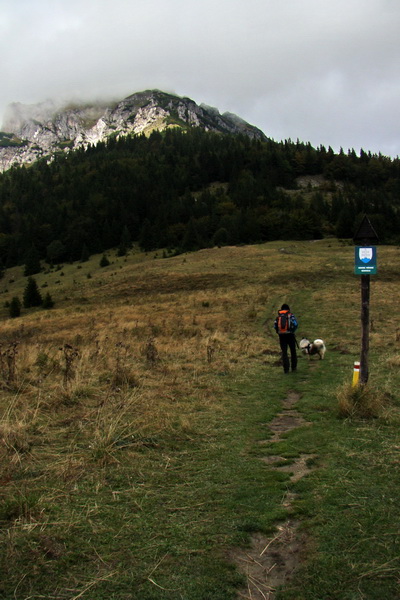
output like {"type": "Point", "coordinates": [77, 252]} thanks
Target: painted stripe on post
{"type": "Point", "coordinates": [356, 373]}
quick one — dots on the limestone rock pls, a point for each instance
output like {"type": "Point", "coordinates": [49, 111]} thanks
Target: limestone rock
{"type": "Point", "coordinates": [35, 131]}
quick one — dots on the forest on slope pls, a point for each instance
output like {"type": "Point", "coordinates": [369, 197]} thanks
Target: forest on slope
{"type": "Point", "coordinates": [187, 190]}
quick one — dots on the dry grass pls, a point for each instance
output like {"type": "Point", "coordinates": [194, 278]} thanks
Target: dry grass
{"type": "Point", "coordinates": [137, 354]}
{"type": "Point", "coordinates": [137, 359]}
{"type": "Point", "coordinates": [393, 361]}
{"type": "Point", "coordinates": [362, 401]}
{"type": "Point", "coordinates": [162, 327]}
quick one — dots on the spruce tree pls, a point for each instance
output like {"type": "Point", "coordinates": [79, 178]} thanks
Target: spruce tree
{"type": "Point", "coordinates": [104, 262]}
{"type": "Point", "coordinates": [85, 254]}
{"type": "Point", "coordinates": [126, 238]}
{"type": "Point", "coordinates": [121, 249]}
{"type": "Point", "coordinates": [32, 296]}
{"type": "Point", "coordinates": [191, 240]}
{"type": "Point", "coordinates": [48, 301]}
{"type": "Point", "coordinates": [32, 263]}
{"type": "Point", "coordinates": [15, 307]}
{"type": "Point", "coordinates": [125, 242]}
{"type": "Point", "coordinates": [146, 236]}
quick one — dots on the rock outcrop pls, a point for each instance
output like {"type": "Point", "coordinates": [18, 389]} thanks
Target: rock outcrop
{"type": "Point", "coordinates": [42, 130]}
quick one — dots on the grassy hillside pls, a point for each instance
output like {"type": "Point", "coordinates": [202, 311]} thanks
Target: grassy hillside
{"type": "Point", "coordinates": [134, 427]}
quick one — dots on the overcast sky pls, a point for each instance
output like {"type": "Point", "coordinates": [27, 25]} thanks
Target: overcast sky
{"type": "Point", "coordinates": [323, 71]}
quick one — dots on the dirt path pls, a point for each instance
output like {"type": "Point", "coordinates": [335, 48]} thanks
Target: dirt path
{"type": "Point", "coordinates": [271, 561]}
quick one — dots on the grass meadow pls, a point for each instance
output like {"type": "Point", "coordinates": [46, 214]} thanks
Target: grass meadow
{"type": "Point", "coordinates": [131, 416]}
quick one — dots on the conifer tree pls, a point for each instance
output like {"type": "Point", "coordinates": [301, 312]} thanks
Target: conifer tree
{"type": "Point", "coordinates": [55, 251]}
{"type": "Point", "coordinates": [48, 301]}
{"type": "Point", "coordinates": [121, 250]}
{"type": "Point", "coordinates": [15, 307]}
{"type": "Point", "coordinates": [125, 242]}
{"type": "Point", "coordinates": [32, 263]}
{"type": "Point", "coordinates": [191, 240]}
{"type": "Point", "coordinates": [146, 236]}
{"type": "Point", "coordinates": [104, 262]}
{"type": "Point", "coordinates": [126, 238]}
{"type": "Point", "coordinates": [220, 237]}
{"type": "Point", "coordinates": [32, 296]}
{"type": "Point", "coordinates": [85, 255]}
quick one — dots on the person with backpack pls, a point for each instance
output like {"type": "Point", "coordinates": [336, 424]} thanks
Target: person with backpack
{"type": "Point", "coordinates": [285, 326]}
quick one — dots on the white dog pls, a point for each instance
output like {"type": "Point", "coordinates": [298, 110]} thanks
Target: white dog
{"type": "Point", "coordinates": [311, 348]}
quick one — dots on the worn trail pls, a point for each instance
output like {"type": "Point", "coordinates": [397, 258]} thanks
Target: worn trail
{"type": "Point", "coordinates": [271, 560]}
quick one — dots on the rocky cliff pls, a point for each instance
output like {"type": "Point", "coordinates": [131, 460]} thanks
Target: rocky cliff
{"type": "Point", "coordinates": [41, 130]}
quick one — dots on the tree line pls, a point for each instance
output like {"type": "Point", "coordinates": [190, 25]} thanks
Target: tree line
{"type": "Point", "coordinates": [187, 190]}
{"type": "Point", "coordinates": [31, 298]}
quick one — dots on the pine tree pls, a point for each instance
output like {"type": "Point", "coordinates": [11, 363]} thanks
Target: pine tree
{"type": "Point", "coordinates": [85, 254]}
{"type": "Point", "coordinates": [146, 236]}
{"type": "Point", "coordinates": [125, 242]}
{"type": "Point", "coordinates": [126, 238]}
{"type": "Point", "coordinates": [121, 250]}
{"type": "Point", "coordinates": [32, 296]}
{"type": "Point", "coordinates": [15, 307]}
{"type": "Point", "coordinates": [48, 301]}
{"type": "Point", "coordinates": [104, 262]}
{"type": "Point", "coordinates": [32, 263]}
{"type": "Point", "coordinates": [191, 240]}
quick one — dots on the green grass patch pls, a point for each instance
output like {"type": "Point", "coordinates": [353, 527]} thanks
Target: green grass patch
{"type": "Point", "coordinates": [154, 523]}
{"type": "Point", "coordinates": [10, 140]}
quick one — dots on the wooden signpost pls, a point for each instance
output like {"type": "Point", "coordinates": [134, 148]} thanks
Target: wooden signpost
{"type": "Point", "coordinates": [365, 265]}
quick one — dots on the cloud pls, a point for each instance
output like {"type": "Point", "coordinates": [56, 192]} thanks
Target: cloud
{"type": "Point", "coordinates": [324, 72]}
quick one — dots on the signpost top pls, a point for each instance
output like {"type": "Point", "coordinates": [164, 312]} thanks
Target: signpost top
{"type": "Point", "coordinates": [365, 234]}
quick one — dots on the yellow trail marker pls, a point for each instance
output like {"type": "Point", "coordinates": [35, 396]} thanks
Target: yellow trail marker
{"type": "Point", "coordinates": [356, 373]}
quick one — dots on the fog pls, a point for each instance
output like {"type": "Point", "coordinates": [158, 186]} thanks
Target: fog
{"type": "Point", "coordinates": [327, 73]}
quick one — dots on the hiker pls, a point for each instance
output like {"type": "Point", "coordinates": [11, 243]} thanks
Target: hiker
{"type": "Point", "coordinates": [285, 325]}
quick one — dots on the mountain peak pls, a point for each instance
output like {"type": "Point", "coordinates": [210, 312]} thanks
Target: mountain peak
{"type": "Point", "coordinates": [42, 130]}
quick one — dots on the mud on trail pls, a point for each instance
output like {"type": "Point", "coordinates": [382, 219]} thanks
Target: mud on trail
{"type": "Point", "coordinates": [271, 560]}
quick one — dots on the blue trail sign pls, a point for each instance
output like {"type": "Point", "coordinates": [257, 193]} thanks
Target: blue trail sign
{"type": "Point", "coordinates": [365, 260]}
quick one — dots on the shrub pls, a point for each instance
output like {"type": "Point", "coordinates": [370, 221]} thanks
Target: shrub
{"type": "Point", "coordinates": [70, 354]}
{"type": "Point", "coordinates": [361, 401]}
{"type": "Point", "coordinates": [8, 361]}
{"type": "Point", "coordinates": [150, 352]}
